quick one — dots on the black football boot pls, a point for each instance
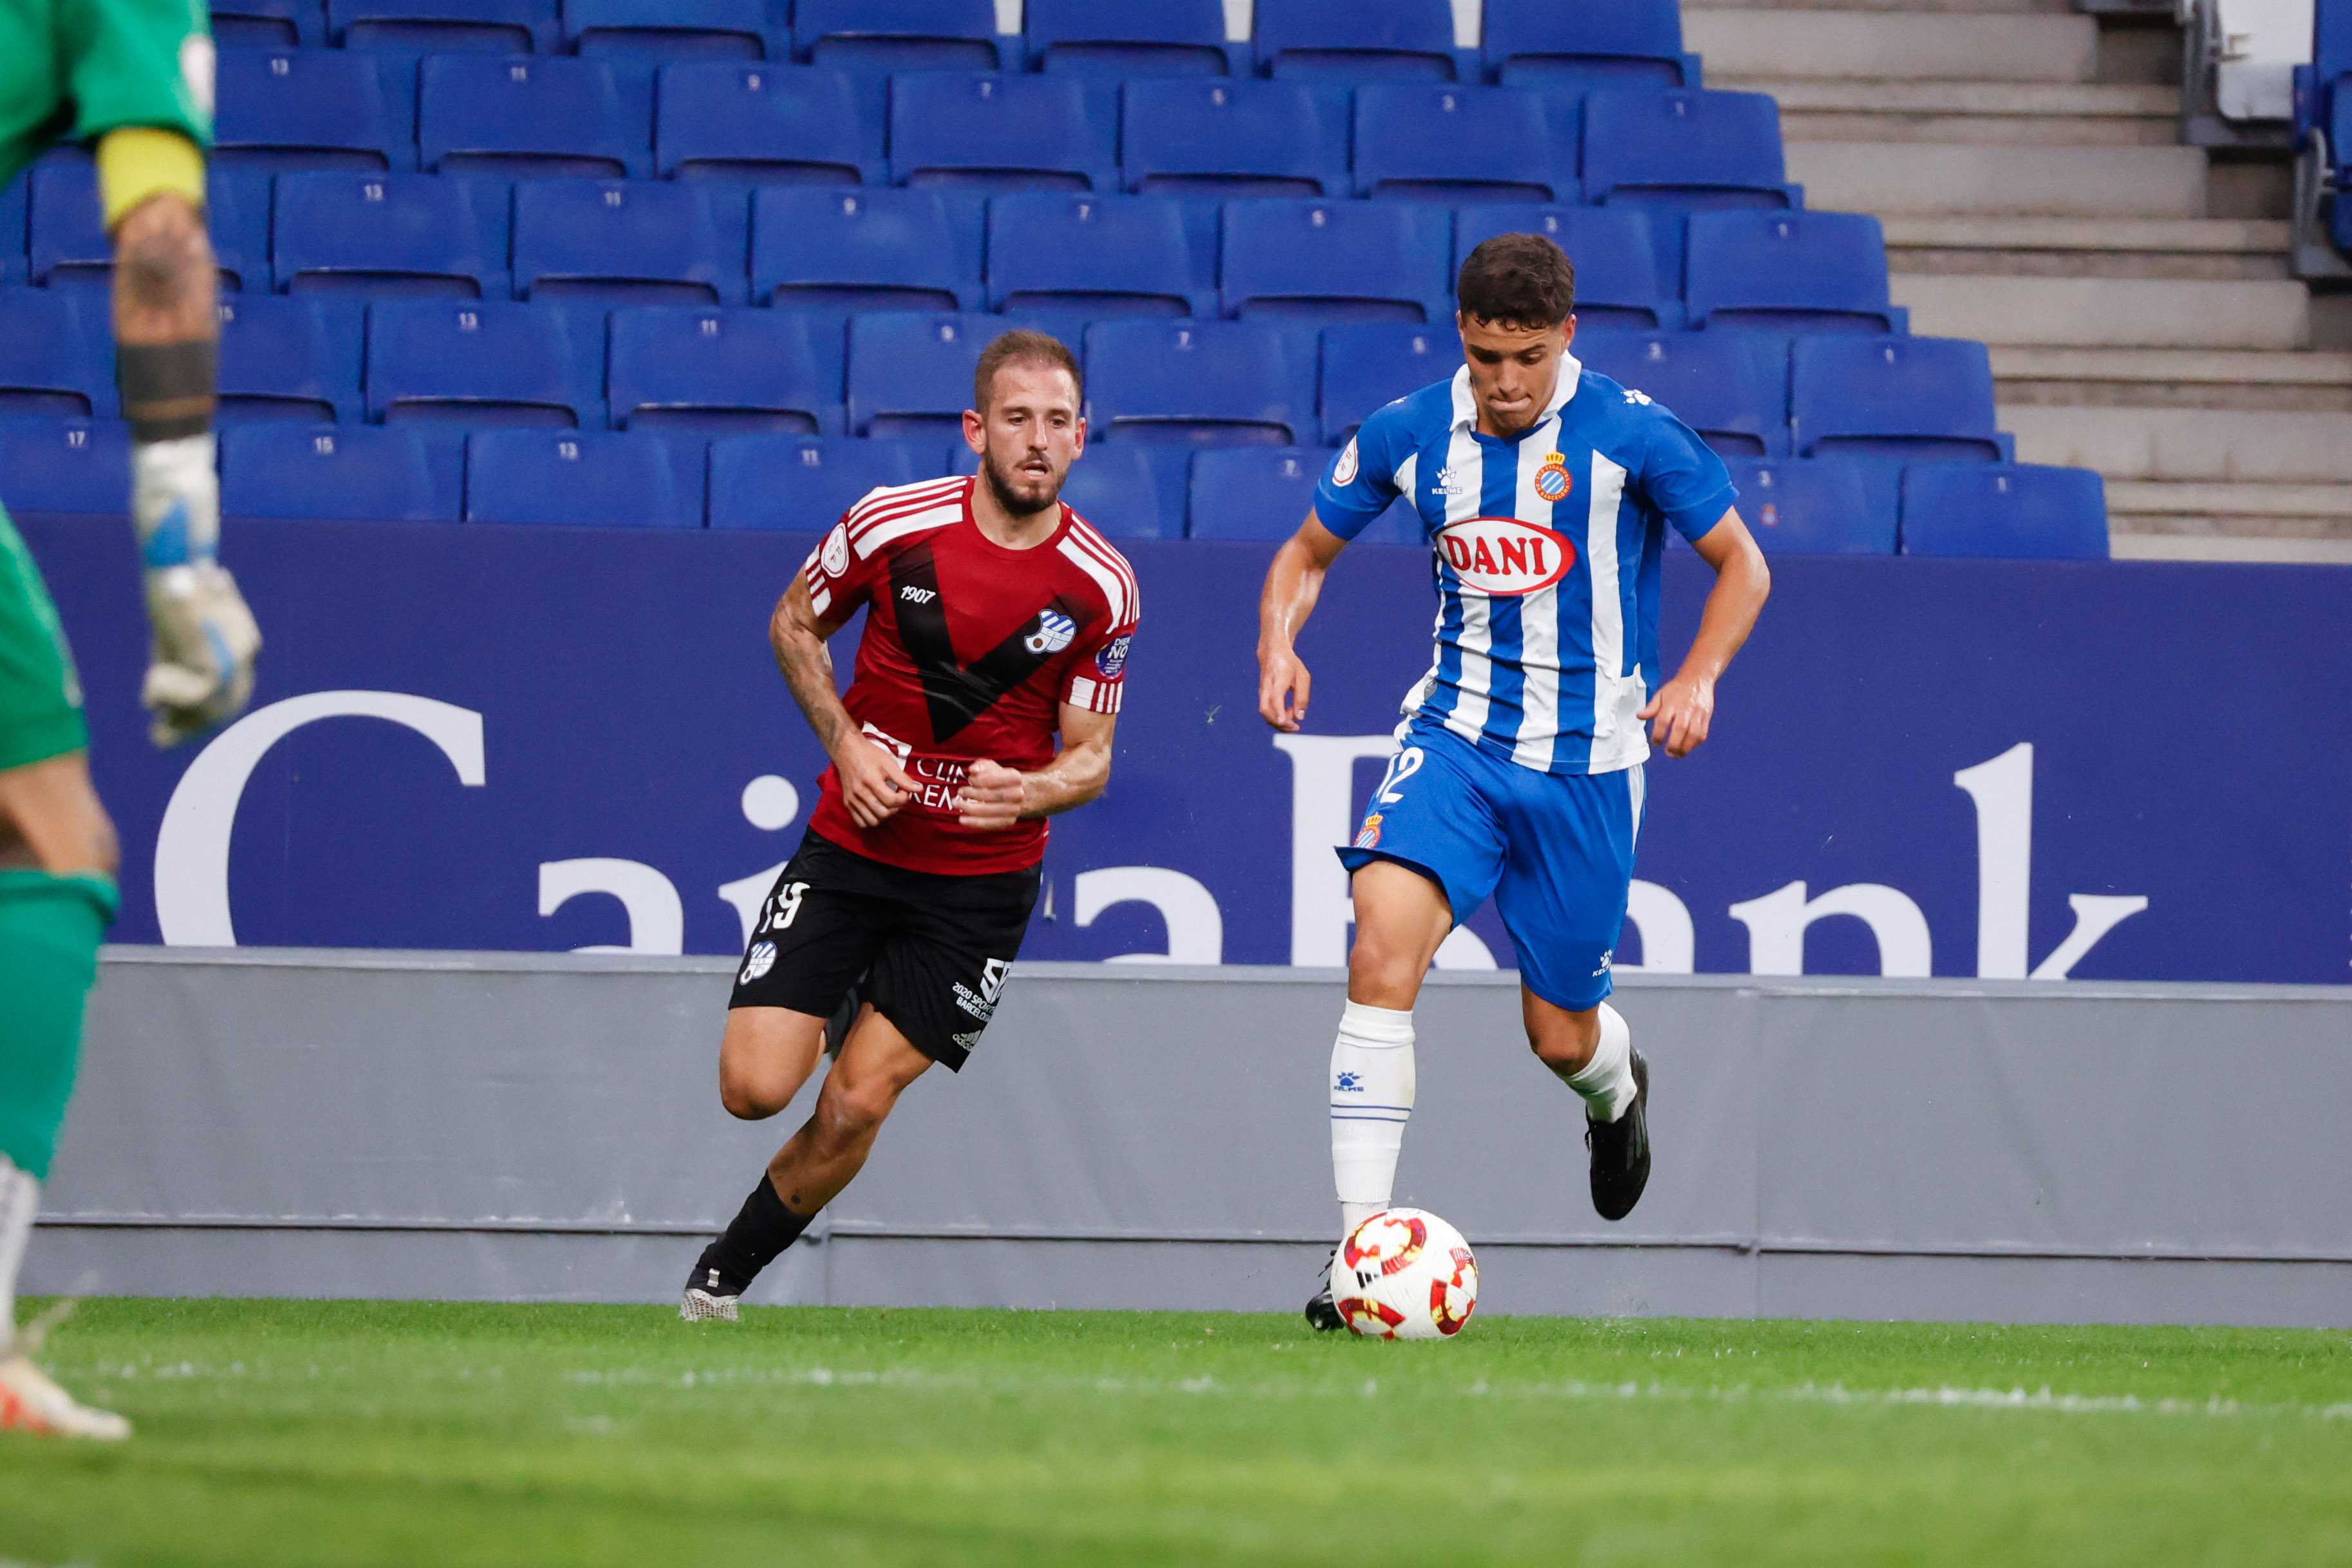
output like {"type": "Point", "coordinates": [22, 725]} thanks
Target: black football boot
{"type": "Point", "coordinates": [1621, 1151]}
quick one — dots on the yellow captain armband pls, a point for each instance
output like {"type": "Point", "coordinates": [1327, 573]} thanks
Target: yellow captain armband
{"type": "Point", "coordinates": [138, 160]}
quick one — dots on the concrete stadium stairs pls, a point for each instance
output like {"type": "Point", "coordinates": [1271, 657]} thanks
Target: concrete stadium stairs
{"type": "Point", "coordinates": [2134, 291]}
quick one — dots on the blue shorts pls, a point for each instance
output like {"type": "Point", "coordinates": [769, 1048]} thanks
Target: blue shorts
{"type": "Point", "coordinates": [1555, 851]}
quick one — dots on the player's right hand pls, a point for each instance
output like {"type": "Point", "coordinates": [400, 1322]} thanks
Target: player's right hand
{"type": "Point", "coordinates": [873, 785]}
{"type": "Point", "coordinates": [1283, 683]}
{"type": "Point", "coordinates": [200, 663]}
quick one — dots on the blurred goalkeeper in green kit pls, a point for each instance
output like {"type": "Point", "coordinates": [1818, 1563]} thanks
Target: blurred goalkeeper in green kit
{"type": "Point", "coordinates": [134, 78]}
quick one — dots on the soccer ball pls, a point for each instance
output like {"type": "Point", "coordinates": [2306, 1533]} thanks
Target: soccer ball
{"type": "Point", "coordinates": [1405, 1274]}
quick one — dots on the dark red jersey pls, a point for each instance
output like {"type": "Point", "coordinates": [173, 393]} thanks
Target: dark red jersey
{"type": "Point", "coordinates": [970, 650]}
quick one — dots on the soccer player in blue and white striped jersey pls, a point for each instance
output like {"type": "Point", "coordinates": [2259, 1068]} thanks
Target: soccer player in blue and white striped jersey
{"type": "Point", "coordinates": [1545, 490]}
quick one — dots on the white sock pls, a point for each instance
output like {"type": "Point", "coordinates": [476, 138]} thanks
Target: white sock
{"type": "Point", "coordinates": [1371, 1099]}
{"type": "Point", "coordinates": [20, 1196]}
{"type": "Point", "coordinates": [1606, 1081]}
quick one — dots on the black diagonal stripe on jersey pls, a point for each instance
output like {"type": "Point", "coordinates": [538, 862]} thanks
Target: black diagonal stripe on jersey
{"type": "Point", "coordinates": [958, 693]}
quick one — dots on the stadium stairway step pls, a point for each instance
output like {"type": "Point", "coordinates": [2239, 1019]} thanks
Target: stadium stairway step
{"type": "Point", "coordinates": [2309, 382]}
{"type": "Point", "coordinates": [2108, 312]}
{"type": "Point", "coordinates": [1907, 45]}
{"type": "Point", "coordinates": [1948, 178]}
{"type": "Point", "coordinates": [2206, 521]}
{"type": "Point", "coordinates": [2219, 249]}
{"type": "Point", "coordinates": [2056, 114]}
{"type": "Point", "coordinates": [2225, 445]}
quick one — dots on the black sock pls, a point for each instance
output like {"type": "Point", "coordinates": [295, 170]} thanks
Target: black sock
{"type": "Point", "coordinates": [760, 1230]}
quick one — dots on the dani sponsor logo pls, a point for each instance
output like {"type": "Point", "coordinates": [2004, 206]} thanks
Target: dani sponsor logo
{"type": "Point", "coordinates": [1503, 557]}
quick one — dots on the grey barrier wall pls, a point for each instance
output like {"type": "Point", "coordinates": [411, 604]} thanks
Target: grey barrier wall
{"type": "Point", "coordinates": [256, 1122]}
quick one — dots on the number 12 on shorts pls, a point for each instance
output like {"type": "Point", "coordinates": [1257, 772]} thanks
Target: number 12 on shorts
{"type": "Point", "coordinates": [1402, 766]}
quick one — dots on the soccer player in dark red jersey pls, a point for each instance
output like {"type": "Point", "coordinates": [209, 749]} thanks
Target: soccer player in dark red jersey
{"type": "Point", "coordinates": [995, 618]}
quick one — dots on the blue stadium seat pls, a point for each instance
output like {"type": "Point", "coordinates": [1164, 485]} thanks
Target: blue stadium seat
{"type": "Point", "coordinates": [911, 374]}
{"type": "Point", "coordinates": [1456, 144]}
{"type": "Point", "coordinates": [459, 361]}
{"type": "Point", "coordinates": [674, 29]}
{"type": "Point", "coordinates": [773, 124]}
{"type": "Point", "coordinates": [15, 221]}
{"type": "Point", "coordinates": [291, 359]}
{"type": "Point", "coordinates": [1616, 262]}
{"type": "Point", "coordinates": [391, 235]}
{"type": "Point", "coordinates": [1698, 149]}
{"type": "Point", "coordinates": [1685, 151]}
{"type": "Point", "coordinates": [630, 242]}
{"type": "Point", "coordinates": [1126, 489]}
{"type": "Point", "coordinates": [2020, 511]}
{"type": "Point", "coordinates": [1730, 387]}
{"type": "Point", "coordinates": [1788, 271]}
{"type": "Point", "coordinates": [267, 23]}
{"type": "Point", "coordinates": [1917, 399]}
{"type": "Point", "coordinates": [66, 465]}
{"type": "Point", "coordinates": [1204, 383]}
{"type": "Point", "coordinates": [1356, 39]}
{"type": "Point", "coordinates": [995, 133]}
{"type": "Point", "coordinates": [584, 478]}
{"type": "Point", "coordinates": [70, 245]}
{"type": "Point", "coordinates": [419, 26]}
{"type": "Point", "coordinates": [57, 354]}
{"type": "Point", "coordinates": [802, 484]}
{"type": "Point", "coordinates": [1339, 261]}
{"type": "Point", "coordinates": [1592, 43]}
{"type": "Point", "coordinates": [1105, 256]}
{"type": "Point", "coordinates": [857, 250]}
{"type": "Point", "coordinates": [1376, 363]}
{"type": "Point", "coordinates": [354, 472]}
{"type": "Point", "coordinates": [505, 115]}
{"type": "Point", "coordinates": [1263, 493]}
{"type": "Point", "coordinates": [1234, 139]}
{"type": "Point", "coordinates": [720, 372]}
{"type": "Point", "coordinates": [1139, 37]}
{"type": "Point", "coordinates": [314, 109]}
{"type": "Point", "coordinates": [898, 34]}
{"type": "Point", "coordinates": [1800, 507]}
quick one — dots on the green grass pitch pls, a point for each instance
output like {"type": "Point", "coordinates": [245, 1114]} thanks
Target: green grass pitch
{"type": "Point", "coordinates": [332, 1433]}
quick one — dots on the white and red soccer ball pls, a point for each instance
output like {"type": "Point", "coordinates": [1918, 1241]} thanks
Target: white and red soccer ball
{"type": "Point", "coordinates": [1405, 1274]}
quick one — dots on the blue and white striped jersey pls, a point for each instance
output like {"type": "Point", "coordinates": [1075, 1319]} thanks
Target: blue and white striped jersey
{"type": "Point", "coordinates": [1546, 554]}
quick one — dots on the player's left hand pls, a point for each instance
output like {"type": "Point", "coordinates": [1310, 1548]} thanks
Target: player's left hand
{"type": "Point", "coordinates": [200, 665]}
{"type": "Point", "coordinates": [1680, 715]}
{"type": "Point", "coordinates": [993, 796]}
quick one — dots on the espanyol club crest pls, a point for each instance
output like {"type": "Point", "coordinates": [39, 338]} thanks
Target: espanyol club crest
{"type": "Point", "coordinates": [1056, 631]}
{"type": "Point", "coordinates": [1552, 482]}
{"type": "Point", "coordinates": [1369, 837]}
{"type": "Point", "coordinates": [1502, 557]}
{"type": "Point", "coordinates": [761, 959]}
{"type": "Point", "coordinates": [1111, 657]}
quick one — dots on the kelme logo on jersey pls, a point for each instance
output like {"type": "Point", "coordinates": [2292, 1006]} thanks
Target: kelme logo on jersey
{"type": "Point", "coordinates": [1552, 482]}
{"type": "Point", "coordinates": [1056, 631]}
{"type": "Point", "coordinates": [1503, 558]}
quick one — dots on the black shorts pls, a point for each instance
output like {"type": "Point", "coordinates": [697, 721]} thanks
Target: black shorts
{"type": "Point", "coordinates": [933, 950]}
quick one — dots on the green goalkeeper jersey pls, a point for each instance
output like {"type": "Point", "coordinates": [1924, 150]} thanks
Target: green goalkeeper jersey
{"type": "Point", "coordinates": [71, 71]}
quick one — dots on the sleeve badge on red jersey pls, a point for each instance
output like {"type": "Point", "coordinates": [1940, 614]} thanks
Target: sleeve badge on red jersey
{"type": "Point", "coordinates": [1056, 631]}
{"type": "Point", "coordinates": [1111, 657]}
{"type": "Point", "coordinates": [835, 557]}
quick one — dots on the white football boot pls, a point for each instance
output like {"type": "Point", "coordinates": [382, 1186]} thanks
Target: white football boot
{"type": "Point", "coordinates": [29, 1402]}
{"type": "Point", "coordinates": [708, 1302]}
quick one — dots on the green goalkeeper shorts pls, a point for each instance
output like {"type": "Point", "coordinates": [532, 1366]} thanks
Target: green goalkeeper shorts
{"type": "Point", "coordinates": [40, 696]}
{"type": "Point", "coordinates": [73, 69]}
{"type": "Point", "coordinates": [50, 931]}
